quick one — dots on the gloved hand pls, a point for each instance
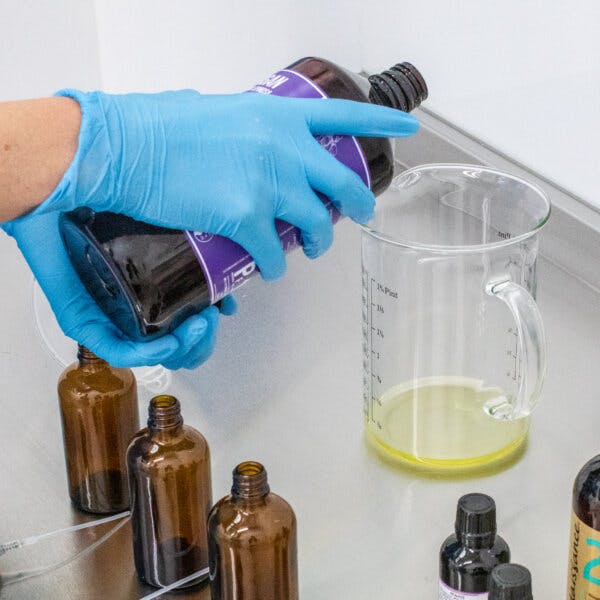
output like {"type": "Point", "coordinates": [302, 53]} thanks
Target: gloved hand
{"type": "Point", "coordinates": [81, 319]}
{"type": "Point", "coordinates": [226, 165]}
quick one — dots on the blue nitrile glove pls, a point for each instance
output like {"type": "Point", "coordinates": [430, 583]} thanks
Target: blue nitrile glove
{"type": "Point", "coordinates": [223, 164]}
{"type": "Point", "coordinates": [80, 318]}
{"type": "Point", "coordinates": [226, 165]}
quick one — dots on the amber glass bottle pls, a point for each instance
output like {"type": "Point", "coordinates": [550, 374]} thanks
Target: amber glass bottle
{"type": "Point", "coordinates": [584, 551]}
{"type": "Point", "coordinates": [170, 485]}
{"type": "Point", "coordinates": [252, 541]}
{"type": "Point", "coordinates": [98, 406]}
{"type": "Point", "coordinates": [149, 279]}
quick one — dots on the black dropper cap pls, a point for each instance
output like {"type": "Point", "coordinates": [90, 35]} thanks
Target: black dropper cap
{"type": "Point", "coordinates": [476, 521]}
{"type": "Point", "coordinates": [401, 86]}
{"type": "Point", "coordinates": [510, 582]}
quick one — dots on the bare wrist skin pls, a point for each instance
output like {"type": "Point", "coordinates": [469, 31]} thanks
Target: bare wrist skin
{"type": "Point", "coordinates": [38, 141]}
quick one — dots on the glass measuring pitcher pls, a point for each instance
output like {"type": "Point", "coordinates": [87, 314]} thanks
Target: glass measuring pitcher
{"type": "Point", "coordinates": [454, 344]}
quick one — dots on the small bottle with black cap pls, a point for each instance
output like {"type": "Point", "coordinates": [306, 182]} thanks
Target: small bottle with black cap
{"type": "Point", "coordinates": [468, 556]}
{"type": "Point", "coordinates": [510, 582]}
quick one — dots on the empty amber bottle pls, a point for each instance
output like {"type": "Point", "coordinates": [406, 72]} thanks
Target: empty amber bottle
{"type": "Point", "coordinates": [252, 541]}
{"type": "Point", "coordinates": [99, 412]}
{"type": "Point", "coordinates": [169, 481]}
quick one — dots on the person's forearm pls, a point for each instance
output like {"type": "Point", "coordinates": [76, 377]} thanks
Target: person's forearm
{"type": "Point", "coordinates": [38, 140]}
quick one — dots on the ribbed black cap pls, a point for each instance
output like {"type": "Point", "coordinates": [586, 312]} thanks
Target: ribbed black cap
{"type": "Point", "coordinates": [510, 582]}
{"type": "Point", "coordinates": [476, 520]}
{"type": "Point", "coordinates": [401, 86]}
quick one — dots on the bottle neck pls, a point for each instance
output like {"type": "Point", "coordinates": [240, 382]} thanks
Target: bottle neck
{"type": "Point", "coordinates": [87, 358]}
{"type": "Point", "coordinates": [250, 481]}
{"type": "Point", "coordinates": [476, 541]}
{"type": "Point", "coordinates": [361, 80]}
{"type": "Point", "coordinates": [164, 413]}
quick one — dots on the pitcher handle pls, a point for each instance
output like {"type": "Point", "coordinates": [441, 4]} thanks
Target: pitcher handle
{"type": "Point", "coordinates": [531, 349]}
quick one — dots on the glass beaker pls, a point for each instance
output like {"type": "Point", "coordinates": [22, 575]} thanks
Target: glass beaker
{"type": "Point", "coordinates": [454, 344]}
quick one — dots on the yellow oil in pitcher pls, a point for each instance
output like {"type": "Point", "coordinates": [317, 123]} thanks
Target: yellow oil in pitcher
{"type": "Point", "coordinates": [439, 424]}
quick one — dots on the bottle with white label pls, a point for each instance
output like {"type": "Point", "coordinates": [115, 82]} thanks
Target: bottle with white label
{"type": "Point", "coordinates": [468, 556]}
{"type": "Point", "coordinates": [149, 279]}
{"type": "Point", "coordinates": [583, 581]}
{"type": "Point", "coordinates": [510, 582]}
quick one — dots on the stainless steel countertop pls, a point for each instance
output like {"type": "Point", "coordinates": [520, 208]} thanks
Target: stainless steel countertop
{"type": "Point", "coordinates": [284, 387]}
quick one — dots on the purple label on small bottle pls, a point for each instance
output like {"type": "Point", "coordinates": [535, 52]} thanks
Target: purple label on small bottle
{"type": "Point", "coordinates": [225, 264]}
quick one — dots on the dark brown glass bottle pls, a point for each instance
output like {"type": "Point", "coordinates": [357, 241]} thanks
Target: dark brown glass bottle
{"type": "Point", "coordinates": [584, 550]}
{"type": "Point", "coordinates": [170, 486]}
{"type": "Point", "coordinates": [99, 412]}
{"type": "Point", "coordinates": [252, 541]}
{"type": "Point", "coordinates": [149, 279]}
{"type": "Point", "coordinates": [468, 557]}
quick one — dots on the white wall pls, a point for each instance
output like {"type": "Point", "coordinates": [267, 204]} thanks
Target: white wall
{"type": "Point", "coordinates": [523, 75]}
{"type": "Point", "coordinates": [222, 46]}
{"type": "Point", "coordinates": [46, 45]}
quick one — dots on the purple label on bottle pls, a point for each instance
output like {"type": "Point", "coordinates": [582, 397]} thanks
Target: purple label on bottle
{"type": "Point", "coordinates": [225, 264]}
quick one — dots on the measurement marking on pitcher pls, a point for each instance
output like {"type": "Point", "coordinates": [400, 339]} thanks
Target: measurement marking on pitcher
{"type": "Point", "coordinates": [375, 309]}
{"type": "Point", "coordinates": [372, 409]}
{"type": "Point", "coordinates": [515, 375]}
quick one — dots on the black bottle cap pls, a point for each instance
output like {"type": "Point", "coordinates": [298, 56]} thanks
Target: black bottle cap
{"type": "Point", "coordinates": [401, 86]}
{"type": "Point", "coordinates": [476, 519]}
{"type": "Point", "coordinates": [510, 582]}
{"type": "Point", "coordinates": [404, 83]}
{"type": "Point", "coordinates": [390, 90]}
{"type": "Point", "coordinates": [415, 76]}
